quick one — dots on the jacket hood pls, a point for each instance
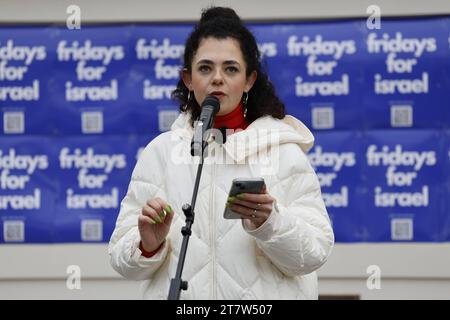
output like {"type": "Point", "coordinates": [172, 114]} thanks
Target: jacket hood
{"type": "Point", "coordinates": [261, 134]}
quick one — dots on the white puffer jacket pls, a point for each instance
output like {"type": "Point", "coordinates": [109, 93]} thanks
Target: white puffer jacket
{"type": "Point", "coordinates": [225, 259]}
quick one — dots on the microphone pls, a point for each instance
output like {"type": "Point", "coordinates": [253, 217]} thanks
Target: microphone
{"type": "Point", "coordinates": [210, 107]}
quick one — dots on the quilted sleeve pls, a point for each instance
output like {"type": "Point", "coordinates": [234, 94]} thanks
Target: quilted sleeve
{"type": "Point", "coordinates": [125, 256]}
{"type": "Point", "coordinates": [297, 237]}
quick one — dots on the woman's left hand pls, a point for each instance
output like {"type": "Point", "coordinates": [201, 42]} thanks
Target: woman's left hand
{"type": "Point", "coordinates": [254, 207]}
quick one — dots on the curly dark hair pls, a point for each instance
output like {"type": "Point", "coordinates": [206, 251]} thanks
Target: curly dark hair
{"type": "Point", "coordinates": [221, 23]}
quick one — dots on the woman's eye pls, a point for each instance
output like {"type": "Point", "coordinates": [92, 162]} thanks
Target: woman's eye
{"type": "Point", "coordinates": [232, 69]}
{"type": "Point", "coordinates": [203, 68]}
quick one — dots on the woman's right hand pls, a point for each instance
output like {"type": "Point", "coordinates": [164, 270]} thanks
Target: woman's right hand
{"type": "Point", "coordinates": [154, 223]}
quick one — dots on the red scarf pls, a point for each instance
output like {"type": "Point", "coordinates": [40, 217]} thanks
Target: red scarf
{"type": "Point", "coordinates": [233, 120]}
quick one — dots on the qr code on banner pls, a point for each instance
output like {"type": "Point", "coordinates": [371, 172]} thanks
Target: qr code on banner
{"type": "Point", "coordinates": [91, 230]}
{"type": "Point", "coordinates": [92, 122]}
{"type": "Point", "coordinates": [166, 118]}
{"type": "Point", "coordinates": [13, 122]}
{"type": "Point", "coordinates": [323, 118]}
{"type": "Point", "coordinates": [14, 231]}
{"type": "Point", "coordinates": [401, 116]}
{"type": "Point", "coordinates": [402, 229]}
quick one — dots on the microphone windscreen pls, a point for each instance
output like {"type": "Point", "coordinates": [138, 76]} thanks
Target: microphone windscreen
{"type": "Point", "coordinates": [213, 102]}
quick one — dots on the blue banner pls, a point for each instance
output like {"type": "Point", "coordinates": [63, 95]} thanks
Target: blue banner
{"type": "Point", "coordinates": [405, 174]}
{"type": "Point", "coordinates": [156, 63]}
{"type": "Point", "coordinates": [338, 160]}
{"type": "Point", "coordinates": [93, 175]}
{"type": "Point", "coordinates": [406, 81]}
{"type": "Point", "coordinates": [24, 70]}
{"type": "Point", "coordinates": [444, 216]}
{"type": "Point", "coordinates": [27, 189]}
{"type": "Point", "coordinates": [78, 106]}
{"type": "Point", "coordinates": [88, 81]}
{"type": "Point", "coordinates": [320, 82]}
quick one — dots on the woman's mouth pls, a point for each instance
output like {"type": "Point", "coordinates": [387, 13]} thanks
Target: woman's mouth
{"type": "Point", "coordinates": [217, 94]}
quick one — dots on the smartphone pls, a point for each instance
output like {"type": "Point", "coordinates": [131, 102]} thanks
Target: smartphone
{"type": "Point", "coordinates": [243, 185]}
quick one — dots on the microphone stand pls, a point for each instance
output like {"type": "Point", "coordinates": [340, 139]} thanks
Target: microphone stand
{"type": "Point", "coordinates": [177, 284]}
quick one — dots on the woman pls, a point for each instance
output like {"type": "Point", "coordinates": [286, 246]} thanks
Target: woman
{"type": "Point", "coordinates": [284, 233]}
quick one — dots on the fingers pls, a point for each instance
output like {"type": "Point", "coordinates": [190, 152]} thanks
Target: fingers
{"type": "Point", "coordinates": [169, 217]}
{"type": "Point", "coordinates": [264, 189]}
{"type": "Point", "coordinates": [151, 214]}
{"type": "Point", "coordinates": [258, 216]}
{"type": "Point", "coordinates": [143, 219]}
{"type": "Point", "coordinates": [158, 210]}
{"type": "Point", "coordinates": [253, 205]}
{"type": "Point", "coordinates": [255, 198]}
{"type": "Point", "coordinates": [156, 204]}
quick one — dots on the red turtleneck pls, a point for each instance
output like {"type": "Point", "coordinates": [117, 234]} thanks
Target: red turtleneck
{"type": "Point", "coordinates": [233, 120]}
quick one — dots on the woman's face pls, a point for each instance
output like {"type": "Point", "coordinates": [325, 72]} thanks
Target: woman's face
{"type": "Point", "coordinates": [219, 69]}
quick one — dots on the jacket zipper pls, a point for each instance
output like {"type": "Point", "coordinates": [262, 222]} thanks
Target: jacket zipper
{"type": "Point", "coordinates": [212, 233]}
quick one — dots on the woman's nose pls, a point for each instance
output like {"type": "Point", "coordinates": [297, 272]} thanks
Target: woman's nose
{"type": "Point", "coordinates": [217, 78]}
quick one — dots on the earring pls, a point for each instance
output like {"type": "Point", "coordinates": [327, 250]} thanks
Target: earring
{"type": "Point", "coordinates": [245, 98]}
{"type": "Point", "coordinates": [244, 102]}
{"type": "Point", "coordinates": [187, 101]}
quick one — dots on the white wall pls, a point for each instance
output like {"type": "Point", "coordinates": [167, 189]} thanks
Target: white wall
{"type": "Point", "coordinates": [182, 10]}
{"type": "Point", "coordinates": [408, 271]}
